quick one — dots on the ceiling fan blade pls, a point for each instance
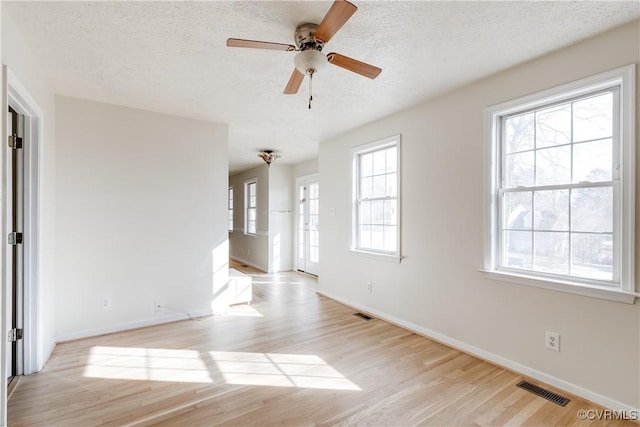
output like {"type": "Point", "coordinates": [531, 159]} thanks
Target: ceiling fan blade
{"type": "Point", "coordinates": [259, 45]}
{"type": "Point", "coordinates": [354, 65]}
{"type": "Point", "coordinates": [294, 83]}
{"type": "Point", "coordinates": [337, 16]}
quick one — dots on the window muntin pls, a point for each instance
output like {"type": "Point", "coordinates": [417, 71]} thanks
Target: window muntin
{"type": "Point", "coordinates": [376, 201]}
{"type": "Point", "coordinates": [230, 208]}
{"type": "Point", "coordinates": [250, 207]}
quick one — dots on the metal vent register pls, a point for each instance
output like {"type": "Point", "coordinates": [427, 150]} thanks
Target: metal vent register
{"type": "Point", "coordinates": [544, 393]}
{"type": "Point", "coordinates": [363, 316]}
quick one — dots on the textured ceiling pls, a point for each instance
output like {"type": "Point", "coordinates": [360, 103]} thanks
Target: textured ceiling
{"type": "Point", "coordinates": [171, 57]}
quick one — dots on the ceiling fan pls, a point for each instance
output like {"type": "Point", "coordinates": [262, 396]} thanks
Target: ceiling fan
{"type": "Point", "coordinates": [310, 40]}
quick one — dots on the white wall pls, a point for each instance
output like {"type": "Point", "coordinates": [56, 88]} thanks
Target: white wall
{"type": "Point", "coordinates": [19, 59]}
{"type": "Point", "coordinates": [306, 168]}
{"type": "Point", "coordinates": [251, 249]}
{"type": "Point", "coordinates": [281, 212]}
{"type": "Point", "coordinates": [140, 216]}
{"type": "Point", "coordinates": [437, 288]}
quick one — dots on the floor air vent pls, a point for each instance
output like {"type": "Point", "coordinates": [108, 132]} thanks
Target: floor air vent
{"type": "Point", "coordinates": [363, 316]}
{"type": "Point", "coordinates": [544, 393]}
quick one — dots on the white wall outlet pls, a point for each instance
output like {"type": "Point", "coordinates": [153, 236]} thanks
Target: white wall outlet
{"type": "Point", "coordinates": [106, 303]}
{"type": "Point", "coordinates": [369, 287]}
{"type": "Point", "coordinates": [552, 341]}
{"type": "Point", "coordinates": [157, 306]}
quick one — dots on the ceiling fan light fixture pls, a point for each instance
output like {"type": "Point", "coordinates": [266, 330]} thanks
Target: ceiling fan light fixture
{"type": "Point", "coordinates": [310, 61]}
{"type": "Point", "coordinates": [268, 156]}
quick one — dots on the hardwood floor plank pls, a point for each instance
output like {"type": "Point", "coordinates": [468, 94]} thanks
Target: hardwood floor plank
{"type": "Point", "coordinates": [292, 357]}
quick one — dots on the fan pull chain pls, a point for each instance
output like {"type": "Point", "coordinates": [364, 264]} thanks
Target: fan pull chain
{"type": "Point", "coordinates": [310, 88]}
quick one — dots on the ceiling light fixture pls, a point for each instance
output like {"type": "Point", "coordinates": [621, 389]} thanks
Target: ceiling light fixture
{"type": "Point", "coordinates": [268, 156]}
{"type": "Point", "coordinates": [309, 62]}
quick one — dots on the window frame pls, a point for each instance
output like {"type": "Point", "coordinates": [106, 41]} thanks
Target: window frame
{"type": "Point", "coordinates": [356, 152]}
{"type": "Point", "coordinates": [230, 221]}
{"type": "Point", "coordinates": [624, 186]}
{"type": "Point", "coordinates": [247, 207]}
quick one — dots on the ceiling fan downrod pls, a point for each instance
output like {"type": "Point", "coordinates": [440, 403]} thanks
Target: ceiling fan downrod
{"type": "Point", "coordinates": [311, 72]}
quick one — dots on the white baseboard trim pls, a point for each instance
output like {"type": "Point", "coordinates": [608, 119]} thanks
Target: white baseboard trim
{"type": "Point", "coordinates": [72, 336]}
{"type": "Point", "coordinates": [485, 355]}
{"type": "Point", "coordinates": [250, 264]}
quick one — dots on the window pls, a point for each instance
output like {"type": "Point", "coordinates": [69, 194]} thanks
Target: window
{"type": "Point", "coordinates": [376, 205]}
{"type": "Point", "coordinates": [250, 207]}
{"type": "Point", "coordinates": [230, 208]}
{"type": "Point", "coordinates": [562, 185]}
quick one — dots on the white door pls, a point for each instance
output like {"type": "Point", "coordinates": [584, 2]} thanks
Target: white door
{"type": "Point", "coordinates": [308, 222]}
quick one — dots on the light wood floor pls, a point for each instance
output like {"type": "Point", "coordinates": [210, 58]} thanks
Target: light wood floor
{"type": "Point", "coordinates": [291, 358]}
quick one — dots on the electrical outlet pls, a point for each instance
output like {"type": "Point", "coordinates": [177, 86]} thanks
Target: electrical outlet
{"type": "Point", "coordinates": [157, 306]}
{"type": "Point", "coordinates": [369, 287]}
{"type": "Point", "coordinates": [106, 303]}
{"type": "Point", "coordinates": [552, 341]}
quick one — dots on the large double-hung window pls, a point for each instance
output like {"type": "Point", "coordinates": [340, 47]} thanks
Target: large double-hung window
{"type": "Point", "coordinates": [562, 186]}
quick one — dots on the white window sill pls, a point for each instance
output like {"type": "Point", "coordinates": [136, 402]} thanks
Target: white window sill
{"type": "Point", "coordinates": [377, 255]}
{"type": "Point", "coordinates": [610, 294]}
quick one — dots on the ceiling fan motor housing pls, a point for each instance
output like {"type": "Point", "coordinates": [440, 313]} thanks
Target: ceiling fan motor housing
{"type": "Point", "coordinates": [305, 39]}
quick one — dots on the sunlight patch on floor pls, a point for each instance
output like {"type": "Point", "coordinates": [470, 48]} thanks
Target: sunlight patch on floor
{"type": "Point", "coordinates": [243, 310]}
{"type": "Point", "coordinates": [146, 364]}
{"type": "Point", "coordinates": [191, 366]}
{"type": "Point", "coordinates": [282, 370]}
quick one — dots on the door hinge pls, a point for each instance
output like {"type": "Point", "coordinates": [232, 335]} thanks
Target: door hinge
{"type": "Point", "coordinates": [14, 335]}
{"type": "Point", "coordinates": [15, 142]}
{"type": "Point", "coordinates": [14, 238]}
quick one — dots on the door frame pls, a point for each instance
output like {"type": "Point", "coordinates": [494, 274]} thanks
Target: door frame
{"type": "Point", "coordinates": [16, 95]}
{"type": "Point", "coordinates": [299, 180]}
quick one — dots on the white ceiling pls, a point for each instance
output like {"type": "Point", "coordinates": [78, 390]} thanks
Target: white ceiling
{"type": "Point", "coordinates": [171, 57]}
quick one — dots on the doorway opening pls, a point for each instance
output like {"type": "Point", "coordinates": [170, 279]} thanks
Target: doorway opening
{"type": "Point", "coordinates": [21, 166]}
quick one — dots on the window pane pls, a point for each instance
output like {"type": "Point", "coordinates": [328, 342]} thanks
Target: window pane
{"type": "Point", "coordinates": [592, 161]}
{"type": "Point", "coordinates": [390, 238]}
{"type": "Point", "coordinates": [593, 118]}
{"type": "Point", "coordinates": [314, 206]}
{"type": "Point", "coordinates": [379, 186]}
{"type": "Point", "coordinates": [251, 227]}
{"type": "Point", "coordinates": [365, 236]}
{"type": "Point", "coordinates": [553, 126]}
{"type": "Point", "coordinates": [519, 133]}
{"type": "Point", "coordinates": [379, 163]}
{"type": "Point", "coordinates": [314, 254]}
{"type": "Point", "coordinates": [518, 249]}
{"type": "Point", "coordinates": [553, 166]}
{"type": "Point", "coordinates": [592, 256]}
{"type": "Point", "coordinates": [517, 210]}
{"type": "Point", "coordinates": [314, 191]}
{"type": "Point", "coordinates": [519, 169]}
{"type": "Point", "coordinates": [366, 188]}
{"type": "Point", "coordinates": [392, 159]}
{"type": "Point", "coordinates": [251, 213]}
{"type": "Point", "coordinates": [392, 185]}
{"type": "Point", "coordinates": [390, 216]}
{"type": "Point", "coordinates": [366, 165]}
{"type": "Point", "coordinates": [365, 212]}
{"type": "Point", "coordinates": [552, 210]}
{"type": "Point", "coordinates": [314, 238]}
{"type": "Point", "coordinates": [377, 212]}
{"type": "Point", "coordinates": [551, 252]}
{"type": "Point", "coordinates": [592, 209]}
{"type": "Point", "coordinates": [377, 237]}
